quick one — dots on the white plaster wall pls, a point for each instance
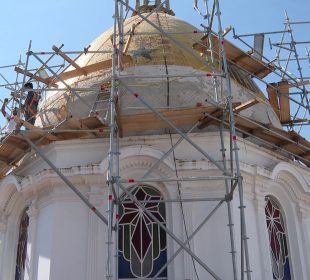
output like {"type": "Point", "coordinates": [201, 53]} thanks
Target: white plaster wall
{"type": "Point", "coordinates": [254, 242]}
{"type": "Point", "coordinates": [212, 242]}
{"type": "Point", "coordinates": [69, 250]}
{"type": "Point", "coordinates": [44, 244]}
{"type": "Point", "coordinates": [10, 233]}
{"type": "Point", "coordinates": [70, 240]}
{"type": "Point", "coordinates": [306, 240]}
{"type": "Point", "coordinates": [61, 245]}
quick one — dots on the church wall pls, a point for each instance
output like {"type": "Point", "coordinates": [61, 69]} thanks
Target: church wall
{"type": "Point", "coordinates": [212, 243]}
{"type": "Point", "coordinates": [61, 236]}
{"type": "Point", "coordinates": [96, 230]}
{"type": "Point", "coordinates": [292, 223]}
{"type": "Point", "coordinates": [258, 238]}
{"type": "Point", "coordinates": [10, 218]}
{"type": "Point", "coordinates": [286, 186]}
{"type": "Point", "coordinates": [69, 239]}
{"type": "Point", "coordinates": [252, 216]}
{"type": "Point", "coordinates": [305, 229]}
{"type": "Point", "coordinates": [175, 224]}
{"type": "Point", "coordinates": [44, 243]}
{"type": "Point", "coordinates": [69, 250]}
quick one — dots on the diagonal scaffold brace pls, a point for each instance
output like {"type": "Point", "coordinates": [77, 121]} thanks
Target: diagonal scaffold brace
{"type": "Point", "coordinates": [66, 180]}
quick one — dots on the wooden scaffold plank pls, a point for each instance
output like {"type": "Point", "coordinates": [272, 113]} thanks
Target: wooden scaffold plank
{"type": "Point", "coordinates": [236, 56]}
{"type": "Point", "coordinates": [45, 81]}
{"type": "Point", "coordinates": [102, 65]}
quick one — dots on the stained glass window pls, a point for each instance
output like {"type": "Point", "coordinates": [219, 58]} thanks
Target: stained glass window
{"type": "Point", "coordinates": [142, 243]}
{"type": "Point", "coordinates": [277, 241]}
{"type": "Point", "coordinates": [22, 246]}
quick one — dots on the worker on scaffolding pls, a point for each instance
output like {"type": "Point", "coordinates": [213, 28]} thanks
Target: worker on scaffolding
{"type": "Point", "coordinates": [10, 118]}
{"type": "Point", "coordinates": [31, 103]}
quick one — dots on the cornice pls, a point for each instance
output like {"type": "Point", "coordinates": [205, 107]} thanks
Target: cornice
{"type": "Point", "coordinates": [139, 159]}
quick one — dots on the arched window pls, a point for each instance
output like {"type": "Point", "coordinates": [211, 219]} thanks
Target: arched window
{"type": "Point", "coordinates": [142, 243]}
{"type": "Point", "coordinates": [22, 246]}
{"type": "Point", "coordinates": [277, 240]}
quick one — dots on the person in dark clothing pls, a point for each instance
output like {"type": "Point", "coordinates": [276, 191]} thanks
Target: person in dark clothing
{"type": "Point", "coordinates": [31, 103]}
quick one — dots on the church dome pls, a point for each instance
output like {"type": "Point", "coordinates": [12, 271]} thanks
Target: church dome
{"type": "Point", "coordinates": [164, 74]}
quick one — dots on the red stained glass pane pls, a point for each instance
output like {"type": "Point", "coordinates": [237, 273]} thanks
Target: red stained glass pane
{"type": "Point", "coordinates": [277, 240]}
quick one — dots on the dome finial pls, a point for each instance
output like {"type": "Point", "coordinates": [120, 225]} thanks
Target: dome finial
{"type": "Point", "coordinates": [146, 5]}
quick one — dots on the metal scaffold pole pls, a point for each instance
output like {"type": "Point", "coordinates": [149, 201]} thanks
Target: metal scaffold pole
{"type": "Point", "coordinates": [229, 197]}
{"type": "Point", "coordinates": [288, 66]}
{"type": "Point", "coordinates": [304, 94]}
{"type": "Point", "coordinates": [223, 165]}
{"type": "Point", "coordinates": [235, 149]}
{"type": "Point", "coordinates": [112, 151]}
{"type": "Point", "coordinates": [66, 180]}
{"type": "Point", "coordinates": [227, 178]}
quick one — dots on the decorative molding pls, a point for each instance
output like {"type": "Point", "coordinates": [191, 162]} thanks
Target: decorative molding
{"type": "Point", "coordinates": [302, 211]}
{"type": "Point", "coordinates": [292, 186]}
{"type": "Point", "coordinates": [285, 168]}
{"type": "Point", "coordinates": [145, 163]}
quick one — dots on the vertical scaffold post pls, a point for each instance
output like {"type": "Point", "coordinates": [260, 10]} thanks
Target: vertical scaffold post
{"type": "Point", "coordinates": [299, 68]}
{"type": "Point", "coordinates": [110, 172]}
{"type": "Point", "coordinates": [244, 238]}
{"type": "Point", "coordinates": [228, 201]}
{"type": "Point", "coordinates": [121, 38]}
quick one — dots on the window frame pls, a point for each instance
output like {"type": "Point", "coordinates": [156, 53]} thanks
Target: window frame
{"type": "Point", "coordinates": [282, 216]}
{"type": "Point", "coordinates": [162, 252]}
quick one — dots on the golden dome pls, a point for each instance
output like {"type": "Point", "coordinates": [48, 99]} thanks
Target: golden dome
{"type": "Point", "coordinates": [147, 46]}
{"type": "Point", "coordinates": [147, 51]}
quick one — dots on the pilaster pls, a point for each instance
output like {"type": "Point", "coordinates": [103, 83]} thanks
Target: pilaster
{"type": "Point", "coordinates": [31, 242]}
{"type": "Point", "coordinates": [189, 272]}
{"type": "Point", "coordinates": [96, 197]}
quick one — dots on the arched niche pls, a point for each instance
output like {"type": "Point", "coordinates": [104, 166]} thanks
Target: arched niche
{"type": "Point", "coordinates": [289, 188]}
{"type": "Point", "coordinates": [135, 161]}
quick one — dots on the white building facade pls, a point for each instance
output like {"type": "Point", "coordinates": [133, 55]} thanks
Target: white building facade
{"type": "Point", "coordinates": [67, 241]}
{"type": "Point", "coordinates": [48, 233]}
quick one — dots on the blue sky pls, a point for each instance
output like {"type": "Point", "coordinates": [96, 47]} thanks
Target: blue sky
{"type": "Point", "coordinates": [75, 23]}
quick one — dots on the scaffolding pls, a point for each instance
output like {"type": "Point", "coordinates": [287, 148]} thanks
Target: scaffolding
{"type": "Point", "coordinates": [104, 119]}
{"type": "Point", "coordinates": [288, 84]}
